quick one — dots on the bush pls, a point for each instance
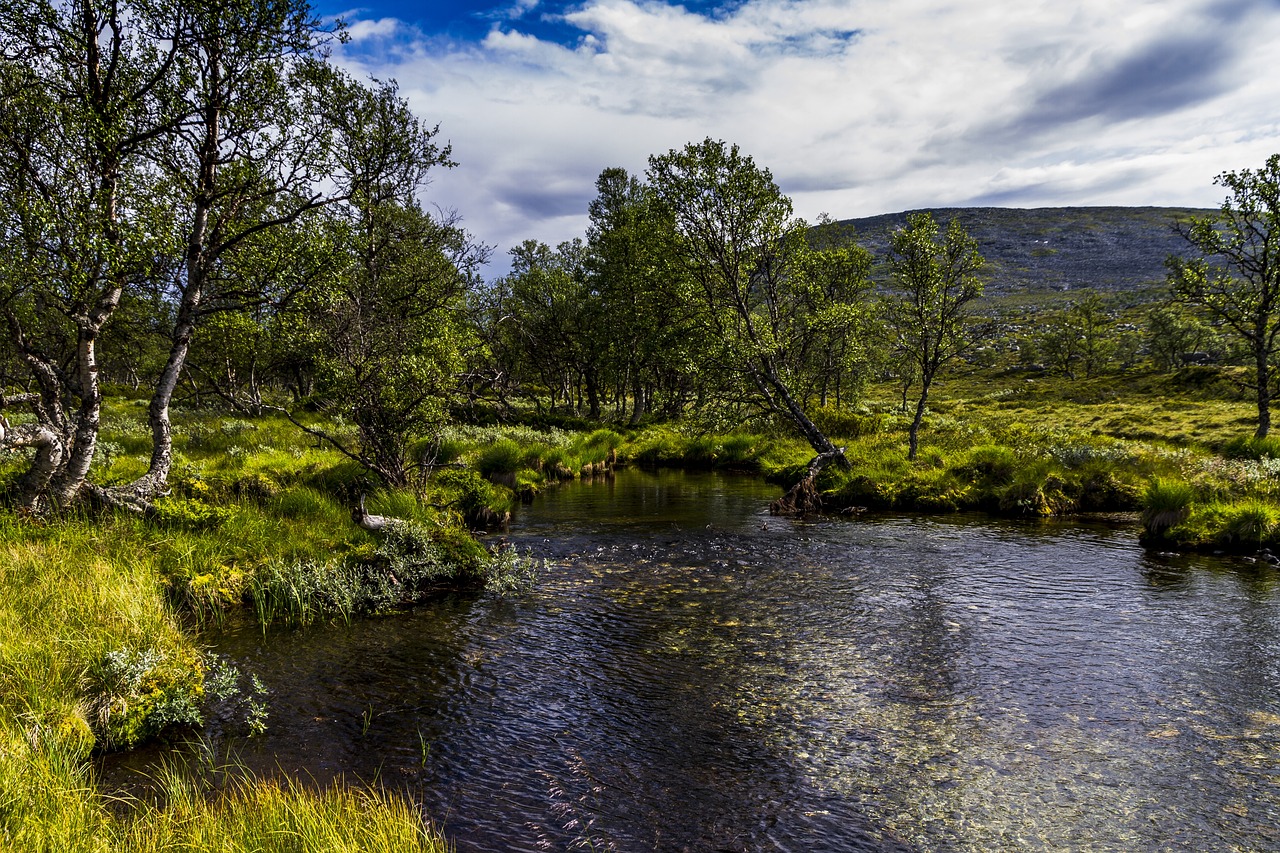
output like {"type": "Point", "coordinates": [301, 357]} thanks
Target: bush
{"type": "Point", "coordinates": [468, 490]}
{"type": "Point", "coordinates": [501, 457]}
{"type": "Point", "coordinates": [1165, 504]}
{"type": "Point", "coordinates": [134, 695]}
{"type": "Point", "coordinates": [1248, 447]}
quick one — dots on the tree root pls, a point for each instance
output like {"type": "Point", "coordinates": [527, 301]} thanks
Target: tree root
{"type": "Point", "coordinates": [804, 497]}
{"type": "Point", "coordinates": [117, 498]}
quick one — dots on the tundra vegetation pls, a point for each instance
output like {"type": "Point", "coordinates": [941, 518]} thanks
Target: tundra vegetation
{"type": "Point", "coordinates": [230, 321]}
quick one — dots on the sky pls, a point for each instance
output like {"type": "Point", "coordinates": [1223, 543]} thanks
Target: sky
{"type": "Point", "coordinates": [857, 107]}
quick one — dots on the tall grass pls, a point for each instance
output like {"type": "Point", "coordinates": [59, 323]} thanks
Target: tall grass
{"type": "Point", "coordinates": [50, 804]}
{"type": "Point", "coordinates": [94, 653]}
{"type": "Point", "coordinates": [91, 654]}
{"type": "Point", "coordinates": [87, 642]}
{"type": "Point", "coordinates": [1166, 502]}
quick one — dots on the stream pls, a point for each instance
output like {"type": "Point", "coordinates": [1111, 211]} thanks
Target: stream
{"type": "Point", "coordinates": [690, 673]}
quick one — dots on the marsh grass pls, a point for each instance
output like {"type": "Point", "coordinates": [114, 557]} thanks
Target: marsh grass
{"type": "Point", "coordinates": [88, 647]}
{"type": "Point", "coordinates": [49, 803]}
{"type": "Point", "coordinates": [1166, 502]}
{"type": "Point", "coordinates": [93, 651]}
{"type": "Point", "coordinates": [96, 650]}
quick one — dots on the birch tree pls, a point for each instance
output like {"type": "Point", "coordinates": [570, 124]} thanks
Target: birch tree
{"type": "Point", "coordinates": [738, 242]}
{"type": "Point", "coordinates": [392, 309]}
{"type": "Point", "coordinates": [935, 279]}
{"type": "Point", "coordinates": [83, 86]}
{"type": "Point", "coordinates": [1235, 273]}
{"type": "Point", "coordinates": [247, 158]}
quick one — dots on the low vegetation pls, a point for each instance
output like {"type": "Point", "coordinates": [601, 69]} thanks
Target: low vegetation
{"type": "Point", "coordinates": [97, 651]}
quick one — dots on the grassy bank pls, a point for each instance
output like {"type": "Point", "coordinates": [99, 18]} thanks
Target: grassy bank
{"type": "Point", "coordinates": [98, 649]}
{"type": "Point", "coordinates": [92, 654]}
{"type": "Point", "coordinates": [97, 615]}
{"type": "Point", "coordinates": [1008, 443]}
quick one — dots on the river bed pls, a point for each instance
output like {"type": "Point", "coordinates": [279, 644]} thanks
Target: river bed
{"type": "Point", "coordinates": [690, 673]}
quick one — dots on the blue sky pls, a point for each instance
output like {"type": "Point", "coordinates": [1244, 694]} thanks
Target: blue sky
{"type": "Point", "coordinates": [472, 20]}
{"type": "Point", "coordinates": [858, 107]}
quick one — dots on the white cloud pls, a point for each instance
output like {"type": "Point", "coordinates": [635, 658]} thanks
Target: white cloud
{"type": "Point", "coordinates": [857, 106]}
{"type": "Point", "coordinates": [361, 30]}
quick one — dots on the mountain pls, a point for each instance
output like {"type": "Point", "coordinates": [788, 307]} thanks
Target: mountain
{"type": "Point", "coordinates": [1053, 249]}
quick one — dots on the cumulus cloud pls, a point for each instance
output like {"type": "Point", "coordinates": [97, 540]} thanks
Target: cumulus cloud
{"type": "Point", "coordinates": [858, 108]}
{"type": "Point", "coordinates": [380, 28]}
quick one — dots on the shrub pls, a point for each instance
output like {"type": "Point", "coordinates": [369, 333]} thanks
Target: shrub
{"type": "Point", "coordinates": [1166, 503]}
{"type": "Point", "coordinates": [1249, 524]}
{"type": "Point", "coordinates": [470, 493]}
{"type": "Point", "coordinates": [1248, 447]}
{"type": "Point", "coordinates": [133, 695]}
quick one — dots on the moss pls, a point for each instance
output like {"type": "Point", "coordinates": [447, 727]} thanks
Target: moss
{"type": "Point", "coordinates": [190, 513]}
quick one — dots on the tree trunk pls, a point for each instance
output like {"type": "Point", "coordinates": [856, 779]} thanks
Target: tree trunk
{"type": "Point", "coordinates": [804, 497]}
{"type": "Point", "coordinates": [593, 396]}
{"type": "Point", "coordinates": [157, 476]}
{"type": "Point", "coordinates": [50, 450]}
{"type": "Point", "coordinates": [787, 405]}
{"type": "Point", "coordinates": [913, 434]}
{"type": "Point", "coordinates": [1264, 395]}
{"type": "Point", "coordinates": [197, 261]}
{"type": "Point", "coordinates": [639, 405]}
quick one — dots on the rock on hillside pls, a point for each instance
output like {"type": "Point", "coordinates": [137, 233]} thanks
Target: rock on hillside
{"type": "Point", "coordinates": [1055, 248]}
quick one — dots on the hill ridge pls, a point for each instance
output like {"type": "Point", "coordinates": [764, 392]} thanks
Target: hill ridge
{"type": "Point", "coordinates": [1054, 249]}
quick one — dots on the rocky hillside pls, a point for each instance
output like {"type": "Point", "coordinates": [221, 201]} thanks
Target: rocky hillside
{"type": "Point", "coordinates": [1055, 249]}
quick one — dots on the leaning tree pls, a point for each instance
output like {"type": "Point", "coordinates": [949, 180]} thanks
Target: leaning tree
{"type": "Point", "coordinates": [738, 242]}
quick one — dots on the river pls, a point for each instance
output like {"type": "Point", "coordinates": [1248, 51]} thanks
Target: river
{"type": "Point", "coordinates": [690, 673]}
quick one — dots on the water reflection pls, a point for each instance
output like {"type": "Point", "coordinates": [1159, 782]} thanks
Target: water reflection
{"type": "Point", "coordinates": [692, 674]}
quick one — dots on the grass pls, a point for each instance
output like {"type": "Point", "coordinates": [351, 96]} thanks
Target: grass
{"type": "Point", "coordinates": [96, 649]}
{"type": "Point", "coordinates": [97, 652]}
{"type": "Point", "coordinates": [1007, 442]}
{"type": "Point", "coordinates": [49, 804]}
{"type": "Point", "coordinates": [92, 654]}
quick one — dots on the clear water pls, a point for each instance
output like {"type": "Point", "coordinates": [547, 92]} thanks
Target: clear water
{"type": "Point", "coordinates": [692, 674]}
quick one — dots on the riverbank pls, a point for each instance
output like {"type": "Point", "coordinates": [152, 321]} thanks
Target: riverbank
{"type": "Point", "coordinates": [93, 655]}
{"type": "Point", "coordinates": [98, 616]}
{"type": "Point", "coordinates": [99, 647]}
{"type": "Point", "coordinates": [1174, 448]}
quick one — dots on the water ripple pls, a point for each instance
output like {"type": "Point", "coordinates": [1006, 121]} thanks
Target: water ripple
{"type": "Point", "coordinates": [692, 674]}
